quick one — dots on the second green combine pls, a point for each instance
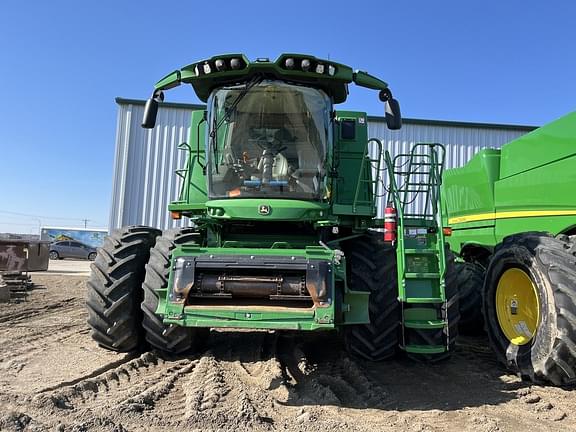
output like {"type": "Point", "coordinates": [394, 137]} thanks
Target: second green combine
{"type": "Point", "coordinates": [281, 191]}
{"type": "Point", "coordinates": [513, 215]}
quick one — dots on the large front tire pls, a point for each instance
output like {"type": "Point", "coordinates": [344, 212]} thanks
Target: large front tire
{"type": "Point", "coordinates": [530, 306]}
{"type": "Point", "coordinates": [115, 288]}
{"type": "Point", "coordinates": [168, 338]}
{"type": "Point", "coordinates": [372, 267]}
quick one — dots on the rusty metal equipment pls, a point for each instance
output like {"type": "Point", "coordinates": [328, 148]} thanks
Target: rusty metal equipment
{"type": "Point", "coordinates": [17, 259]}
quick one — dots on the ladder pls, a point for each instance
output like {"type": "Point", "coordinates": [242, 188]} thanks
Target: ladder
{"type": "Point", "coordinates": [420, 253]}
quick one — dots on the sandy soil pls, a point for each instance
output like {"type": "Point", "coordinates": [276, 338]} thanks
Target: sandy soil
{"type": "Point", "coordinates": [53, 377]}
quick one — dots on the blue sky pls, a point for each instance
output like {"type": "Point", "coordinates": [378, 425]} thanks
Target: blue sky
{"type": "Point", "coordinates": [63, 63]}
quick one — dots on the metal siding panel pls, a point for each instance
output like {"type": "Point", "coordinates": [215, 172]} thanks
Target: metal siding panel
{"type": "Point", "coordinates": [144, 181]}
{"type": "Point", "coordinates": [119, 177]}
{"type": "Point", "coordinates": [461, 144]}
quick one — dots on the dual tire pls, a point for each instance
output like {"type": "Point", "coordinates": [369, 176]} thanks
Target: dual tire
{"type": "Point", "coordinates": [168, 338]}
{"type": "Point", "coordinates": [115, 288]}
{"type": "Point", "coordinates": [130, 267]}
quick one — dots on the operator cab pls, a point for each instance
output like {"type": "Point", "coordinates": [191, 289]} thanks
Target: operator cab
{"type": "Point", "coordinates": [268, 138]}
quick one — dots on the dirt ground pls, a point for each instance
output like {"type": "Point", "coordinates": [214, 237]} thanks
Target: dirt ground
{"type": "Point", "coordinates": [53, 377]}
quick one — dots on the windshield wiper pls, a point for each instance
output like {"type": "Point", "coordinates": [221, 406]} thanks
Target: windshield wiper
{"type": "Point", "coordinates": [214, 134]}
{"type": "Point", "coordinates": [227, 112]}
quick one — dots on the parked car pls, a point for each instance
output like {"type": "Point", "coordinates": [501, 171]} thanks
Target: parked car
{"type": "Point", "coordinates": [71, 249]}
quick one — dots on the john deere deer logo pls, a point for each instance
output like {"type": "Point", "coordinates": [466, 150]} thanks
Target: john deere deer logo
{"type": "Point", "coordinates": [264, 209]}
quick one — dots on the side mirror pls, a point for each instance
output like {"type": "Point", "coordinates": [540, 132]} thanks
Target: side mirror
{"type": "Point", "coordinates": [393, 115]}
{"type": "Point", "coordinates": [151, 110]}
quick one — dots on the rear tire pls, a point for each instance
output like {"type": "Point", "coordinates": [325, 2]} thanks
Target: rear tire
{"type": "Point", "coordinates": [172, 339]}
{"type": "Point", "coordinates": [470, 281]}
{"type": "Point", "coordinates": [115, 288]}
{"type": "Point", "coordinates": [550, 263]}
{"type": "Point", "coordinates": [372, 267]}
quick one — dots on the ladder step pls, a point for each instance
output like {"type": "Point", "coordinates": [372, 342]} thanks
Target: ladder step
{"type": "Point", "coordinates": [413, 220]}
{"type": "Point", "coordinates": [424, 300]}
{"type": "Point", "coordinates": [425, 324]}
{"type": "Point", "coordinates": [421, 251]}
{"type": "Point", "coordinates": [425, 349]}
{"type": "Point", "coordinates": [422, 275]}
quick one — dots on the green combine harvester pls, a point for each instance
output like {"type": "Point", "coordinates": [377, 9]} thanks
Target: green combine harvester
{"type": "Point", "coordinates": [281, 191]}
{"type": "Point", "coordinates": [513, 216]}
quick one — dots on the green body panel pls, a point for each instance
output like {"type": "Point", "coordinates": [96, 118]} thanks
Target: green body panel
{"type": "Point", "coordinates": [528, 185]}
{"type": "Point", "coordinates": [463, 236]}
{"type": "Point", "coordinates": [352, 185]}
{"type": "Point", "coordinates": [473, 187]}
{"type": "Point", "coordinates": [193, 195]}
{"type": "Point", "coordinates": [543, 146]}
{"type": "Point", "coordinates": [278, 209]}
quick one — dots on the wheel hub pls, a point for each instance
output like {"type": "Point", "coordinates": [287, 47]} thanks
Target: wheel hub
{"type": "Point", "coordinates": [517, 306]}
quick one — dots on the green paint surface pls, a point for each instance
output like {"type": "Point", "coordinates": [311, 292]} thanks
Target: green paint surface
{"type": "Point", "coordinates": [528, 185]}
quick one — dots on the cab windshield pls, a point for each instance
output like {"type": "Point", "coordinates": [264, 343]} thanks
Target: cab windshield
{"type": "Point", "coordinates": [268, 139]}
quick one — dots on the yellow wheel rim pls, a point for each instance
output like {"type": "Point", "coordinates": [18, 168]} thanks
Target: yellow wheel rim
{"type": "Point", "coordinates": [517, 306]}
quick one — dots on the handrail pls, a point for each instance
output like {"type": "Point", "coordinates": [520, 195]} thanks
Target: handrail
{"type": "Point", "coordinates": [184, 173]}
{"type": "Point", "coordinates": [393, 189]}
{"type": "Point", "coordinates": [415, 162]}
{"type": "Point", "coordinates": [362, 167]}
{"type": "Point", "coordinates": [433, 161]}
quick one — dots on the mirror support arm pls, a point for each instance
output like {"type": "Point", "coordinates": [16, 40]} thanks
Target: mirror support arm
{"type": "Point", "coordinates": [364, 79]}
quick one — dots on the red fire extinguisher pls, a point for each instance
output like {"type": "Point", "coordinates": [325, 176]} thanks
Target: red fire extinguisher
{"type": "Point", "coordinates": [390, 224]}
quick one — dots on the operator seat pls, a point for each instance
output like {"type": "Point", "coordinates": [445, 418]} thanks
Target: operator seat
{"type": "Point", "coordinates": [280, 167]}
{"type": "Point", "coordinates": [308, 168]}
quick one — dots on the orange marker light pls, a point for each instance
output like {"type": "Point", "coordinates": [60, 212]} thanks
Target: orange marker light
{"type": "Point", "coordinates": [234, 192]}
{"type": "Point", "coordinates": [447, 231]}
{"type": "Point", "coordinates": [176, 215]}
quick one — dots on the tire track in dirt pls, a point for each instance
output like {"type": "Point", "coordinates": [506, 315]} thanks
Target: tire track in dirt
{"type": "Point", "coordinates": [253, 380]}
{"type": "Point", "coordinates": [216, 398]}
{"type": "Point", "coordinates": [133, 385]}
{"type": "Point", "coordinates": [60, 307]}
{"type": "Point", "coordinates": [227, 388]}
{"type": "Point", "coordinates": [324, 375]}
{"type": "Point", "coordinates": [22, 348]}
{"type": "Point", "coordinates": [205, 387]}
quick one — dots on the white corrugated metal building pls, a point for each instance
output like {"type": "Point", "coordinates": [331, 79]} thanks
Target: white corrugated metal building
{"type": "Point", "coordinates": [145, 160]}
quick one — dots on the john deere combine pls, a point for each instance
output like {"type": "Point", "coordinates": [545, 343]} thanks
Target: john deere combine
{"type": "Point", "coordinates": [281, 190]}
{"type": "Point", "coordinates": [513, 215]}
